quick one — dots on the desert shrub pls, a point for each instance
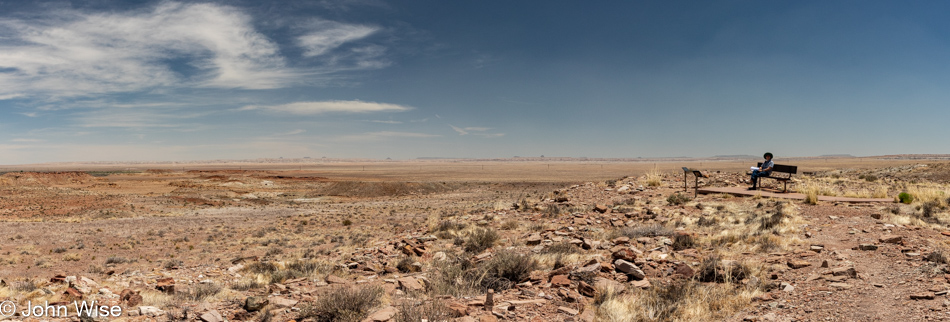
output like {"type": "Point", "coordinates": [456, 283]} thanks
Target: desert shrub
{"type": "Point", "coordinates": [626, 202]}
{"type": "Point", "coordinates": [25, 285]}
{"type": "Point", "coordinates": [510, 224]}
{"type": "Point", "coordinates": [937, 256]}
{"type": "Point", "coordinates": [905, 197]}
{"type": "Point", "coordinates": [713, 269]}
{"type": "Point", "coordinates": [260, 268]}
{"type": "Point", "coordinates": [459, 276]}
{"type": "Point", "coordinates": [116, 260]}
{"type": "Point", "coordinates": [668, 299]}
{"type": "Point", "coordinates": [405, 264]}
{"type": "Point", "coordinates": [456, 276]}
{"type": "Point", "coordinates": [304, 268]}
{"type": "Point", "coordinates": [347, 222]}
{"type": "Point", "coordinates": [654, 178]}
{"type": "Point", "coordinates": [506, 269]}
{"type": "Point", "coordinates": [769, 222]}
{"type": "Point", "coordinates": [683, 241]}
{"type": "Point", "coordinates": [811, 196]}
{"type": "Point", "coordinates": [71, 257]}
{"type": "Point", "coordinates": [677, 199]}
{"type": "Point", "coordinates": [552, 210]}
{"type": "Point", "coordinates": [245, 285]}
{"type": "Point", "coordinates": [343, 304]}
{"type": "Point", "coordinates": [766, 243]}
{"type": "Point", "coordinates": [447, 225]}
{"type": "Point", "coordinates": [929, 208]}
{"type": "Point", "coordinates": [59, 250]}
{"type": "Point", "coordinates": [870, 177]}
{"type": "Point", "coordinates": [426, 311]}
{"type": "Point", "coordinates": [480, 239]}
{"type": "Point", "coordinates": [642, 231]}
{"type": "Point", "coordinates": [172, 264]}
{"type": "Point", "coordinates": [199, 292]}
{"type": "Point", "coordinates": [561, 248]}
{"type": "Point", "coordinates": [707, 221]}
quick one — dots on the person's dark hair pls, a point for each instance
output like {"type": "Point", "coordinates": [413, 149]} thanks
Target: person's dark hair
{"type": "Point", "coordinates": [768, 155]}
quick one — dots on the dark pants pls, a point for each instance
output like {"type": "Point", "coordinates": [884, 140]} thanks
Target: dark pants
{"type": "Point", "coordinates": [756, 174]}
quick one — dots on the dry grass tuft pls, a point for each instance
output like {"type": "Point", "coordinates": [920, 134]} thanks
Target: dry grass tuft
{"type": "Point", "coordinates": [642, 231]}
{"type": "Point", "coordinates": [410, 311]}
{"type": "Point", "coordinates": [654, 178]}
{"type": "Point", "coordinates": [480, 239]}
{"type": "Point", "coordinates": [343, 304]}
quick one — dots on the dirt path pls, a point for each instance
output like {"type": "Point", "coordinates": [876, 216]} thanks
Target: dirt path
{"type": "Point", "coordinates": [885, 278]}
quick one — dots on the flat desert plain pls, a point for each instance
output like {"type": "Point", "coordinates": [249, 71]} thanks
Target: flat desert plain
{"type": "Point", "coordinates": [465, 240]}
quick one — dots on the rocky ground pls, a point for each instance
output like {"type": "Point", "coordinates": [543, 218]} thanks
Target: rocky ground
{"type": "Point", "coordinates": [268, 245]}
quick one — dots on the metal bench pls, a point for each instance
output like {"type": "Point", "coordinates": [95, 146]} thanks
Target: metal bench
{"type": "Point", "coordinates": [781, 168]}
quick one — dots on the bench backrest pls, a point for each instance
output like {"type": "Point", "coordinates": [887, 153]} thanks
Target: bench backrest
{"type": "Point", "coordinates": [783, 168]}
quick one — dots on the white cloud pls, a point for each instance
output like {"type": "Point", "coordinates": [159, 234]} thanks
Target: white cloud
{"type": "Point", "coordinates": [313, 108]}
{"type": "Point", "coordinates": [71, 53]}
{"type": "Point", "coordinates": [467, 130]}
{"type": "Point", "coordinates": [328, 35]}
{"type": "Point", "coordinates": [136, 118]}
{"type": "Point", "coordinates": [384, 121]}
{"type": "Point", "coordinates": [21, 140]}
{"type": "Point", "coordinates": [372, 136]}
{"type": "Point", "coordinates": [461, 131]}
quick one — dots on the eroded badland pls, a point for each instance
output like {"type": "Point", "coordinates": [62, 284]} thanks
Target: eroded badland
{"type": "Point", "coordinates": [475, 241]}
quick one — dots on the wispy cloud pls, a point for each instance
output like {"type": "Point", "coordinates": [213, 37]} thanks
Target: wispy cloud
{"type": "Point", "coordinates": [171, 45]}
{"type": "Point", "coordinates": [467, 130]}
{"type": "Point", "coordinates": [476, 131]}
{"type": "Point", "coordinates": [461, 131]}
{"type": "Point", "coordinates": [381, 135]}
{"type": "Point", "coordinates": [384, 121]}
{"type": "Point", "coordinates": [135, 118]}
{"type": "Point", "coordinates": [22, 140]}
{"type": "Point", "coordinates": [314, 108]}
{"type": "Point", "coordinates": [327, 35]}
{"type": "Point", "coordinates": [294, 132]}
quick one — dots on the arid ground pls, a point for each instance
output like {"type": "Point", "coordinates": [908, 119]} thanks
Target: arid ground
{"type": "Point", "coordinates": [458, 240]}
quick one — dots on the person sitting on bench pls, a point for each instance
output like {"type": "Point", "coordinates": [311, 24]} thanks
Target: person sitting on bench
{"type": "Point", "coordinates": [764, 171]}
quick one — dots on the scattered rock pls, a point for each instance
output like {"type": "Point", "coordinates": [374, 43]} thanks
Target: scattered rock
{"type": "Point", "coordinates": [845, 271]}
{"type": "Point", "coordinates": [922, 296]}
{"type": "Point", "coordinates": [684, 270]}
{"type": "Point", "coordinates": [601, 208]}
{"type": "Point", "coordinates": [567, 310]}
{"type": "Point", "coordinates": [410, 284]}
{"type": "Point", "coordinates": [384, 314]}
{"type": "Point", "coordinates": [150, 311]}
{"type": "Point", "coordinates": [282, 302]}
{"type": "Point", "coordinates": [891, 239]}
{"type": "Point", "coordinates": [867, 247]}
{"type": "Point", "coordinates": [560, 280]}
{"type": "Point", "coordinates": [629, 269]}
{"type": "Point", "coordinates": [166, 285]}
{"type": "Point", "coordinates": [534, 239]}
{"type": "Point", "coordinates": [796, 264]}
{"type": "Point", "coordinates": [333, 279]}
{"type": "Point", "coordinates": [212, 316]}
{"type": "Point", "coordinates": [644, 283]}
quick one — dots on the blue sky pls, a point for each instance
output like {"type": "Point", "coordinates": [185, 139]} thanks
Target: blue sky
{"type": "Point", "coordinates": [166, 80]}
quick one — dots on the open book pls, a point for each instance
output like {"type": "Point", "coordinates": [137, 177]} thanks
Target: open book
{"type": "Point", "coordinates": [755, 168]}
